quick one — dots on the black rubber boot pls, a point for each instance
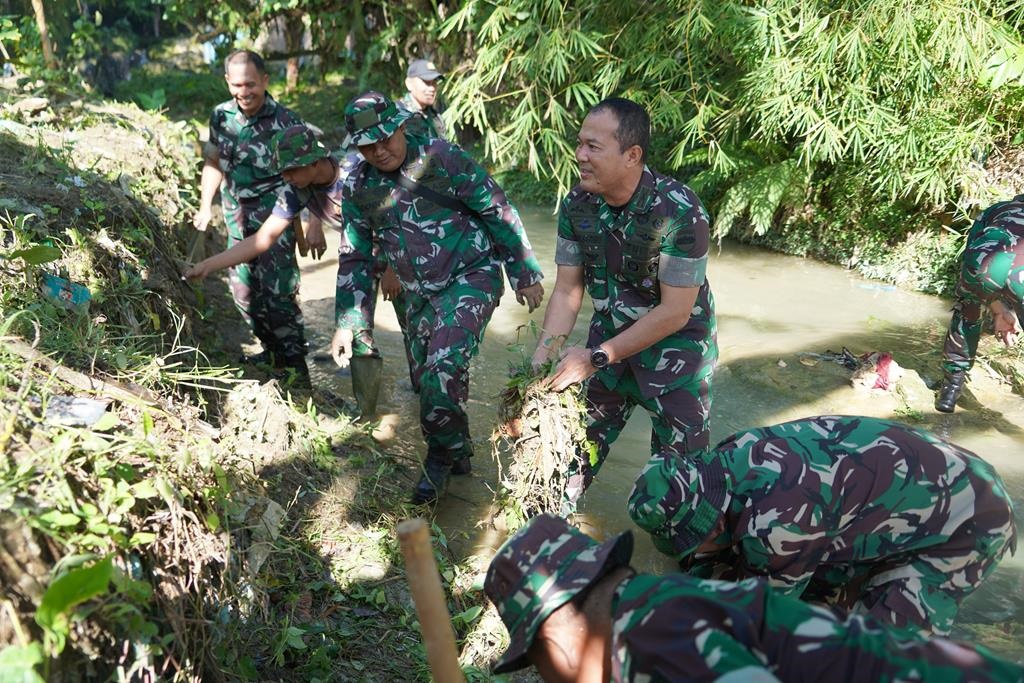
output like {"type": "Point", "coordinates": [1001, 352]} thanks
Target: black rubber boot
{"type": "Point", "coordinates": [434, 480]}
{"type": "Point", "coordinates": [462, 466]}
{"type": "Point", "coordinates": [366, 375]}
{"type": "Point", "coordinates": [952, 385]}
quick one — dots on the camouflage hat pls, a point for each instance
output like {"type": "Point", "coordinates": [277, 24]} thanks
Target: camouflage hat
{"type": "Point", "coordinates": [372, 117]}
{"type": "Point", "coordinates": [295, 146]}
{"type": "Point", "coordinates": [544, 566]}
{"type": "Point", "coordinates": [684, 494]}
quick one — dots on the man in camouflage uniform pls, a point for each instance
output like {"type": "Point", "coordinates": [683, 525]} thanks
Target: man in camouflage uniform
{"type": "Point", "coordinates": [637, 241]}
{"type": "Point", "coordinates": [446, 228]}
{"type": "Point", "coordinates": [237, 163]}
{"type": "Point", "coordinates": [866, 513]}
{"type": "Point", "coordinates": [421, 80]}
{"type": "Point", "coordinates": [992, 274]}
{"type": "Point", "coordinates": [577, 611]}
{"type": "Point", "coordinates": [315, 181]}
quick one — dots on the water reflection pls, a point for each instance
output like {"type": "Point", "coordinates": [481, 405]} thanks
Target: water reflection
{"type": "Point", "coordinates": [769, 307]}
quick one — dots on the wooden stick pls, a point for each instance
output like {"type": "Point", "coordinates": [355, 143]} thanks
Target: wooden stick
{"type": "Point", "coordinates": [431, 606]}
{"type": "Point", "coordinates": [300, 237]}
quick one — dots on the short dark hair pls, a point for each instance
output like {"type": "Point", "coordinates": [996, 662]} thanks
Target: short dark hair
{"type": "Point", "coordinates": [634, 122]}
{"type": "Point", "coordinates": [245, 57]}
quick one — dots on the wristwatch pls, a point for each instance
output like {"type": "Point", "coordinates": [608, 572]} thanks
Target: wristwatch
{"type": "Point", "coordinates": [599, 358]}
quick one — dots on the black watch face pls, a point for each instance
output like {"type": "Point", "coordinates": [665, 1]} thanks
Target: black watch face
{"type": "Point", "coordinates": [598, 358]}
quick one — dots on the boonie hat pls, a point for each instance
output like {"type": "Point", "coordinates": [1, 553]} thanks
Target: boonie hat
{"type": "Point", "coordinates": [372, 117]}
{"type": "Point", "coordinates": [692, 490]}
{"type": "Point", "coordinates": [541, 568]}
{"type": "Point", "coordinates": [295, 146]}
{"type": "Point", "coordinates": [422, 68]}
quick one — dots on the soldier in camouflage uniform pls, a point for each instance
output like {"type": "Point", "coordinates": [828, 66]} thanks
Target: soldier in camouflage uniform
{"type": "Point", "coordinates": [315, 180]}
{"type": "Point", "coordinates": [577, 611]}
{"type": "Point", "coordinates": [637, 241]}
{"type": "Point", "coordinates": [866, 513]}
{"type": "Point", "coordinates": [237, 163]}
{"type": "Point", "coordinates": [992, 274]}
{"type": "Point", "coordinates": [421, 80]}
{"type": "Point", "coordinates": [446, 229]}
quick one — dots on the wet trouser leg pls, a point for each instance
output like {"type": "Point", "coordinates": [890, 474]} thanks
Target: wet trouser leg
{"type": "Point", "coordinates": [400, 304]}
{"type": "Point", "coordinates": [661, 503]}
{"type": "Point", "coordinates": [961, 345]}
{"type": "Point", "coordinates": [680, 421]}
{"type": "Point", "coordinates": [443, 341]}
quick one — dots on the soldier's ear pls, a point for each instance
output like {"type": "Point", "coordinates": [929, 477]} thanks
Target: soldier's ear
{"type": "Point", "coordinates": [635, 156]}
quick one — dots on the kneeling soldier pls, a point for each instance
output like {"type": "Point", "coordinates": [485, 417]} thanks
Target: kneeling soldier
{"type": "Point", "coordinates": [865, 513]}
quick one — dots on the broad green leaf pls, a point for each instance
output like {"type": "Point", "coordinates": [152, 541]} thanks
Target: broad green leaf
{"type": "Point", "coordinates": [36, 255]}
{"type": "Point", "coordinates": [69, 590]}
{"type": "Point", "coordinates": [18, 662]}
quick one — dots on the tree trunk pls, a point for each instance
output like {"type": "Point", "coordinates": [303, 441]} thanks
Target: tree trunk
{"type": "Point", "coordinates": [294, 28]}
{"type": "Point", "coordinates": [44, 35]}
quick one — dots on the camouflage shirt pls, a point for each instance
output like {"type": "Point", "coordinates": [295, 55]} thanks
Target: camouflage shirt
{"type": "Point", "coordinates": [678, 628]}
{"type": "Point", "coordinates": [425, 123]}
{"type": "Point", "coordinates": [660, 236]}
{"type": "Point", "coordinates": [993, 265]}
{"type": "Point", "coordinates": [827, 497]}
{"type": "Point", "coordinates": [241, 146]}
{"type": "Point", "coordinates": [429, 246]}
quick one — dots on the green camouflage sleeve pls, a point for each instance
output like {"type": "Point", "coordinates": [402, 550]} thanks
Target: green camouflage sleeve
{"type": "Point", "coordinates": [354, 296]}
{"type": "Point", "coordinates": [567, 247]}
{"type": "Point", "coordinates": [211, 148]}
{"type": "Point", "coordinates": [475, 187]}
{"type": "Point", "coordinates": [684, 246]}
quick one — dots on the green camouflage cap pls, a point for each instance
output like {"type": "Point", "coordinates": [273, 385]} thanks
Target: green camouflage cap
{"type": "Point", "coordinates": [681, 497]}
{"type": "Point", "coordinates": [372, 117]}
{"type": "Point", "coordinates": [541, 568]}
{"type": "Point", "coordinates": [295, 146]}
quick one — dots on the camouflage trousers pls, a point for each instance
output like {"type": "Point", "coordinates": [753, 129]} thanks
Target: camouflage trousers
{"type": "Point", "coordinates": [680, 424]}
{"type": "Point", "coordinates": [266, 289]}
{"type": "Point", "coordinates": [921, 591]}
{"type": "Point", "coordinates": [444, 333]}
{"type": "Point", "coordinates": [961, 345]}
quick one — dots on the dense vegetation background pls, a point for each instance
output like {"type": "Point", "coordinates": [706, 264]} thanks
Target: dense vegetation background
{"type": "Point", "coordinates": [170, 540]}
{"type": "Point", "coordinates": [852, 131]}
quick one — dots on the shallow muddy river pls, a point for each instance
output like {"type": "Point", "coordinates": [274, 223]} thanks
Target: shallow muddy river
{"type": "Point", "coordinates": [772, 311]}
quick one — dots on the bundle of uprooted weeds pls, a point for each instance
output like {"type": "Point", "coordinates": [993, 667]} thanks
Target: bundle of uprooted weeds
{"type": "Point", "coordinates": [543, 430]}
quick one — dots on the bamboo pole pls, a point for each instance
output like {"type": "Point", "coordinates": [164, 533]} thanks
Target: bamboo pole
{"type": "Point", "coordinates": [431, 606]}
{"type": "Point", "coordinates": [44, 34]}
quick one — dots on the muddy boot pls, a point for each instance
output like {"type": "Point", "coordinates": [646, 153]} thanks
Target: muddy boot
{"type": "Point", "coordinates": [952, 385]}
{"type": "Point", "coordinates": [366, 375]}
{"type": "Point", "coordinates": [434, 479]}
{"type": "Point", "coordinates": [462, 466]}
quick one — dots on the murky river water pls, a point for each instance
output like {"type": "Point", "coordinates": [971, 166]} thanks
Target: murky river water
{"type": "Point", "coordinates": [770, 309]}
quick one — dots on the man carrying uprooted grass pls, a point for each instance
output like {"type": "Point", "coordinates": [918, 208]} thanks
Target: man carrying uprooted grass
{"type": "Point", "coordinates": [872, 515]}
{"type": "Point", "coordinates": [637, 242]}
{"type": "Point", "coordinates": [446, 229]}
{"type": "Point", "coordinates": [577, 611]}
{"type": "Point", "coordinates": [237, 164]}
